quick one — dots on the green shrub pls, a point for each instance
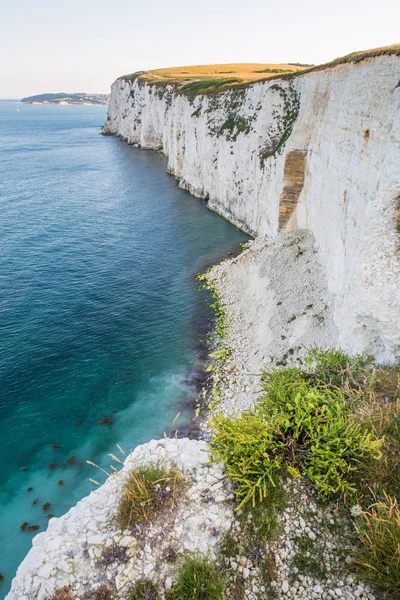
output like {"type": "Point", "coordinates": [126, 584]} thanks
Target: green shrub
{"type": "Point", "coordinates": [148, 490]}
{"type": "Point", "coordinates": [378, 558]}
{"type": "Point", "coordinates": [251, 454]}
{"type": "Point", "coordinates": [199, 579]}
{"type": "Point", "coordinates": [301, 425]}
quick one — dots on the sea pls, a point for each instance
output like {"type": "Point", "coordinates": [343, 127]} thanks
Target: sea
{"type": "Point", "coordinates": [102, 326]}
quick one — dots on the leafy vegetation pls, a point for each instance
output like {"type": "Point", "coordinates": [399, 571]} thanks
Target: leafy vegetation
{"type": "Point", "coordinates": [147, 491]}
{"type": "Point", "coordinates": [303, 424]}
{"type": "Point", "coordinates": [337, 421]}
{"type": "Point", "coordinates": [297, 64]}
{"type": "Point", "coordinates": [199, 579]}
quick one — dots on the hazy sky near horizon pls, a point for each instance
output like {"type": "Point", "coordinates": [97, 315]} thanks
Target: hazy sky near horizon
{"type": "Point", "coordinates": [84, 45]}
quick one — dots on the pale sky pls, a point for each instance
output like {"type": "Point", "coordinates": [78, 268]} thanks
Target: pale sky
{"type": "Point", "coordinates": [84, 45]}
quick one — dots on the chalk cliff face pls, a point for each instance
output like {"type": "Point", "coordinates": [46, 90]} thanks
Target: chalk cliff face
{"type": "Point", "coordinates": [320, 151]}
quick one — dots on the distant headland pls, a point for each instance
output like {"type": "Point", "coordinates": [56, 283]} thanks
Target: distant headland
{"type": "Point", "coordinates": [63, 98]}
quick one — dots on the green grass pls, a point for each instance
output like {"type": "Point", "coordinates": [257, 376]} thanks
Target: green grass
{"type": "Point", "coordinates": [207, 86]}
{"type": "Point", "coordinates": [144, 590]}
{"type": "Point", "coordinates": [308, 558]}
{"type": "Point", "coordinates": [335, 367]}
{"type": "Point", "coordinates": [378, 556]}
{"type": "Point", "coordinates": [132, 76]}
{"type": "Point", "coordinates": [215, 86]}
{"type": "Point", "coordinates": [364, 54]}
{"type": "Point", "coordinates": [148, 491]}
{"type": "Point", "coordinates": [380, 414]}
{"type": "Point", "coordinates": [199, 579]}
{"type": "Point", "coordinates": [263, 519]}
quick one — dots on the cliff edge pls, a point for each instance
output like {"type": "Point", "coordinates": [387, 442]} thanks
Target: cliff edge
{"type": "Point", "coordinates": [318, 150]}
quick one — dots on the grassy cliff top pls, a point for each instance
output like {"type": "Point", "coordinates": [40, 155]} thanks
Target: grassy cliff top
{"type": "Point", "coordinates": [214, 76]}
{"type": "Point", "coordinates": [242, 71]}
{"type": "Point", "coordinates": [211, 79]}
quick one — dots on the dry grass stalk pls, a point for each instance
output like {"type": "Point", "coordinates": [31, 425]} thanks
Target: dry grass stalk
{"type": "Point", "coordinates": [148, 491]}
{"type": "Point", "coordinates": [379, 554]}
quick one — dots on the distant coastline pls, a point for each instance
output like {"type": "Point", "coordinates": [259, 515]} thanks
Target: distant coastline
{"type": "Point", "coordinates": [66, 99]}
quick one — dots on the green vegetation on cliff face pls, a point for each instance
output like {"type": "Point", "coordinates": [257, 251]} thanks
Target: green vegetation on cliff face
{"type": "Point", "coordinates": [303, 424]}
{"type": "Point", "coordinates": [335, 423]}
{"type": "Point", "coordinates": [206, 79]}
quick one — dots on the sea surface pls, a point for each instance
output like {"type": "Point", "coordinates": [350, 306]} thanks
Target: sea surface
{"type": "Point", "coordinates": [100, 316]}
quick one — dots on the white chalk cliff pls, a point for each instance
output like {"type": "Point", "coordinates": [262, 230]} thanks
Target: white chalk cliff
{"type": "Point", "coordinates": [320, 151]}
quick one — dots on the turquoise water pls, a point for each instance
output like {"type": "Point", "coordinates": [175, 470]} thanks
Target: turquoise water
{"type": "Point", "coordinates": [99, 310]}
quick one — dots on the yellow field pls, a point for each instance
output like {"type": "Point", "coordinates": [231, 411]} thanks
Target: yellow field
{"type": "Point", "coordinates": [213, 79]}
{"type": "Point", "coordinates": [243, 71]}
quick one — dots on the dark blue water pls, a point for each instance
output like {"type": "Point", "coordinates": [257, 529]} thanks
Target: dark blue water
{"type": "Point", "coordinates": [99, 309]}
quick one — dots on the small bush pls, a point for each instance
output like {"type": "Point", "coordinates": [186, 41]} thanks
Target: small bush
{"type": "Point", "coordinates": [378, 558]}
{"type": "Point", "coordinates": [199, 579]}
{"type": "Point", "coordinates": [148, 490]}
{"type": "Point", "coordinates": [144, 590]}
{"type": "Point", "coordinates": [303, 424]}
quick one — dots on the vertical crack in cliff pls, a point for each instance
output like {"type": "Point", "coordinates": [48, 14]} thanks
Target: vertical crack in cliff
{"type": "Point", "coordinates": [293, 173]}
